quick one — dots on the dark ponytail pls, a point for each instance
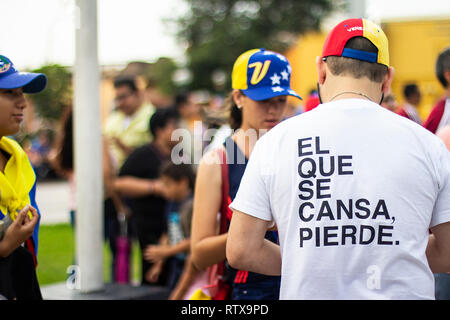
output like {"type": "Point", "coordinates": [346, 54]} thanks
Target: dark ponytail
{"type": "Point", "coordinates": [235, 114]}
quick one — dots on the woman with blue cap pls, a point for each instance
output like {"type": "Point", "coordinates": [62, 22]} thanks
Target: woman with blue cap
{"type": "Point", "coordinates": [261, 84]}
{"type": "Point", "coordinates": [19, 216]}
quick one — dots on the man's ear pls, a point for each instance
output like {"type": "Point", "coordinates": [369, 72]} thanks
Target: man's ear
{"type": "Point", "coordinates": [321, 70]}
{"type": "Point", "coordinates": [386, 85]}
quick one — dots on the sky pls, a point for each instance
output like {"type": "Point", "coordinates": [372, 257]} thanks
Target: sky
{"type": "Point", "coordinates": [37, 32]}
{"type": "Point", "coordinates": [33, 33]}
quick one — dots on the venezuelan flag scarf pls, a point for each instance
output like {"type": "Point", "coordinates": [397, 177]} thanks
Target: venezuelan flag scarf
{"type": "Point", "coordinates": [17, 186]}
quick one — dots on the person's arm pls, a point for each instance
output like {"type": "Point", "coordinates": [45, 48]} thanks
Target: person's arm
{"type": "Point", "coordinates": [181, 247]}
{"type": "Point", "coordinates": [151, 253]}
{"type": "Point", "coordinates": [133, 180]}
{"type": "Point", "coordinates": [19, 231]}
{"type": "Point", "coordinates": [248, 250]}
{"type": "Point", "coordinates": [207, 247]}
{"type": "Point", "coordinates": [438, 249]}
{"type": "Point", "coordinates": [109, 172]}
{"type": "Point", "coordinates": [160, 252]}
{"type": "Point", "coordinates": [133, 187]}
{"type": "Point", "coordinates": [186, 279]}
{"type": "Point", "coordinates": [152, 274]}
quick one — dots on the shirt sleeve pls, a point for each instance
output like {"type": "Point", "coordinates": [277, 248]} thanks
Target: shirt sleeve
{"type": "Point", "coordinates": [441, 211]}
{"type": "Point", "coordinates": [132, 165]}
{"type": "Point", "coordinates": [252, 197]}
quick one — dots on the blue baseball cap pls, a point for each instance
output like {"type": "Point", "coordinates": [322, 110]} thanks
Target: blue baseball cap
{"type": "Point", "coordinates": [262, 74]}
{"type": "Point", "coordinates": [11, 78]}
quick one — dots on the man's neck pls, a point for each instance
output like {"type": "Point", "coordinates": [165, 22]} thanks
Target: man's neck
{"type": "Point", "coordinates": [162, 147]}
{"type": "Point", "coordinates": [347, 87]}
{"type": "Point", "coordinates": [135, 111]}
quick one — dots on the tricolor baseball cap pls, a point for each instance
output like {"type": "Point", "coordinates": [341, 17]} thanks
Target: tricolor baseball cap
{"type": "Point", "coordinates": [347, 29]}
{"type": "Point", "coordinates": [11, 78]}
{"type": "Point", "coordinates": [262, 74]}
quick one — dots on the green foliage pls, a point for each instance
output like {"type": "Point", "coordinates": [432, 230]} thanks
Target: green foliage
{"type": "Point", "coordinates": [51, 102]}
{"type": "Point", "coordinates": [218, 31]}
{"type": "Point", "coordinates": [161, 75]}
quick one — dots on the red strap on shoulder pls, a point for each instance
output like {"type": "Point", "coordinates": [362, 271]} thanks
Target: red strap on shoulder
{"type": "Point", "coordinates": [225, 212]}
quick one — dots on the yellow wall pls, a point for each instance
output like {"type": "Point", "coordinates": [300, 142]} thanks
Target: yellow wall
{"type": "Point", "coordinates": [302, 57]}
{"type": "Point", "coordinates": [413, 49]}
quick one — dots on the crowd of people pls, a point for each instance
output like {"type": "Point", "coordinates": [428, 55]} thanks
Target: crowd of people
{"type": "Point", "coordinates": [319, 192]}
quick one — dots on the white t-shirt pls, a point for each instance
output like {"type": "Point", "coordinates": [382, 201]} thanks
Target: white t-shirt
{"type": "Point", "coordinates": [353, 189]}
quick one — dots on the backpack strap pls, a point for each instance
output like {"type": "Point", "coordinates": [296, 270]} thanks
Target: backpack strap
{"type": "Point", "coordinates": [224, 205]}
{"type": "Point", "coordinates": [225, 211]}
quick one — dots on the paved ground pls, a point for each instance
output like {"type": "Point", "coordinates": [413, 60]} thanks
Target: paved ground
{"type": "Point", "coordinates": [59, 291]}
{"type": "Point", "coordinates": [53, 201]}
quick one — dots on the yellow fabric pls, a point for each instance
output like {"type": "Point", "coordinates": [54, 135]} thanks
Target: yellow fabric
{"type": "Point", "coordinates": [136, 134]}
{"type": "Point", "coordinates": [260, 71]}
{"type": "Point", "coordinates": [17, 179]}
{"type": "Point", "coordinates": [239, 74]}
{"type": "Point", "coordinates": [376, 35]}
{"type": "Point", "coordinates": [199, 295]}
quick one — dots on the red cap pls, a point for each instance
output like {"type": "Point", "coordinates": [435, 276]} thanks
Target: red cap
{"type": "Point", "coordinates": [338, 37]}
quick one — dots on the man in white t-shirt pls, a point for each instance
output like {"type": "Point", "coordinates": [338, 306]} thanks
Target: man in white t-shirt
{"type": "Point", "coordinates": [353, 188]}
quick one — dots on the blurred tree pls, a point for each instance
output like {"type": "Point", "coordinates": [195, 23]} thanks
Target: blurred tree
{"type": "Point", "coordinates": [161, 75]}
{"type": "Point", "coordinates": [158, 74]}
{"type": "Point", "coordinates": [217, 31]}
{"type": "Point", "coordinates": [51, 102]}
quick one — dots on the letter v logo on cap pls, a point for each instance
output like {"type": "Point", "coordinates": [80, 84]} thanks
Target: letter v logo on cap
{"type": "Point", "coordinates": [260, 71]}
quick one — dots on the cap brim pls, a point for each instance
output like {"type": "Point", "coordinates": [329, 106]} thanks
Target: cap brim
{"type": "Point", "coordinates": [265, 93]}
{"type": "Point", "coordinates": [30, 82]}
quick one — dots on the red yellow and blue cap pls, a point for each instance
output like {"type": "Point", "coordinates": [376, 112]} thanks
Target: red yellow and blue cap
{"type": "Point", "coordinates": [337, 39]}
{"type": "Point", "coordinates": [11, 78]}
{"type": "Point", "coordinates": [262, 74]}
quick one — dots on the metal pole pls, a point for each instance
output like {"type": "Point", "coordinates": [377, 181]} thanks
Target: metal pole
{"type": "Point", "coordinates": [88, 154]}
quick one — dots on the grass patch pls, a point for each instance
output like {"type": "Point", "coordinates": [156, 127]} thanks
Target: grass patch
{"type": "Point", "coordinates": [57, 252]}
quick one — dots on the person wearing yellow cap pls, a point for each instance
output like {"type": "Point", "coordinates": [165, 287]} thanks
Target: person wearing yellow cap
{"type": "Point", "coordinates": [353, 188]}
{"type": "Point", "coordinates": [19, 216]}
{"type": "Point", "coordinates": [261, 84]}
